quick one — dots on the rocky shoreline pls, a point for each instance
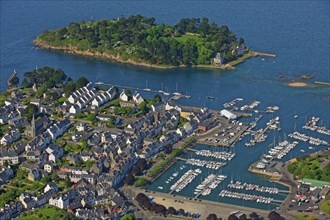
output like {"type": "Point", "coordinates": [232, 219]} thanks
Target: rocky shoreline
{"type": "Point", "coordinates": [73, 50]}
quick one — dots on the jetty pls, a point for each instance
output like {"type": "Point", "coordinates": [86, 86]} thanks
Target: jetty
{"type": "Point", "coordinates": [322, 83]}
{"type": "Point", "coordinates": [265, 54]}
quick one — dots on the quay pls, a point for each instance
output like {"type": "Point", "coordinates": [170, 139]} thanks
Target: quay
{"type": "Point", "coordinates": [183, 159]}
{"type": "Point", "coordinates": [264, 130]}
{"type": "Point", "coordinates": [265, 54]}
{"type": "Point", "coordinates": [322, 83]}
{"type": "Point", "coordinates": [275, 177]}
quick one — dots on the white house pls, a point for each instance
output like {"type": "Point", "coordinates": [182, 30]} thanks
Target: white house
{"type": "Point", "coordinates": [81, 126]}
{"type": "Point", "coordinates": [187, 127]}
{"type": "Point", "coordinates": [61, 202]}
{"type": "Point", "coordinates": [58, 128]}
{"type": "Point", "coordinates": [104, 97]}
{"type": "Point", "coordinates": [50, 186]}
{"type": "Point", "coordinates": [81, 97]}
{"type": "Point", "coordinates": [123, 96]}
{"type": "Point", "coordinates": [74, 109]}
{"type": "Point", "coordinates": [137, 98]}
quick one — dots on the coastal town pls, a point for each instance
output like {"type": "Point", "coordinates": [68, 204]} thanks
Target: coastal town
{"type": "Point", "coordinates": [94, 151]}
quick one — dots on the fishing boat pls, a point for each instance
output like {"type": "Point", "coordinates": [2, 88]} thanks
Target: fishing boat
{"type": "Point", "coordinates": [211, 97]}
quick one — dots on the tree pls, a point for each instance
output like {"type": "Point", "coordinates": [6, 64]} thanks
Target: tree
{"type": "Point", "coordinates": [84, 144]}
{"type": "Point", "coordinates": [6, 163]}
{"type": "Point", "coordinates": [160, 209]}
{"type": "Point", "coordinates": [20, 174]}
{"type": "Point", "coordinates": [140, 182]}
{"type": "Point", "coordinates": [143, 200]}
{"type": "Point", "coordinates": [254, 216]}
{"type": "Point", "coordinates": [274, 216]}
{"type": "Point", "coordinates": [55, 177]}
{"type": "Point", "coordinates": [92, 118]}
{"type": "Point", "coordinates": [191, 41]}
{"type": "Point", "coordinates": [243, 217]}
{"type": "Point", "coordinates": [181, 211]}
{"type": "Point", "coordinates": [157, 99]}
{"type": "Point", "coordinates": [69, 88]}
{"type": "Point", "coordinates": [129, 180]}
{"type": "Point", "coordinates": [14, 81]}
{"type": "Point", "coordinates": [212, 217]}
{"type": "Point", "coordinates": [142, 164]}
{"type": "Point", "coordinates": [128, 217]}
{"type": "Point", "coordinates": [142, 106]}
{"type": "Point", "coordinates": [171, 210]}
{"type": "Point", "coordinates": [30, 110]}
{"type": "Point", "coordinates": [232, 217]}
{"type": "Point", "coordinates": [81, 82]}
{"type": "Point", "coordinates": [46, 179]}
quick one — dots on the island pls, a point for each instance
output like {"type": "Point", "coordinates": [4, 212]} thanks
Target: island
{"type": "Point", "coordinates": [139, 40]}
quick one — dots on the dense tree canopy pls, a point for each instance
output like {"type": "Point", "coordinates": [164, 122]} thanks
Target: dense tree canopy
{"type": "Point", "coordinates": [211, 217]}
{"type": "Point", "coordinates": [81, 82]}
{"type": "Point", "coordinates": [189, 42]}
{"type": "Point", "coordinates": [274, 216]}
{"type": "Point", "coordinates": [44, 77]}
{"type": "Point", "coordinates": [309, 167]}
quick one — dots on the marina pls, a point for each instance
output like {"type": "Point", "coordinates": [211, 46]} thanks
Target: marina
{"type": "Point", "coordinates": [250, 106]}
{"type": "Point", "coordinates": [208, 184]}
{"type": "Point", "coordinates": [204, 163]}
{"type": "Point", "coordinates": [248, 197]}
{"type": "Point", "coordinates": [216, 154]}
{"type": "Point", "coordinates": [311, 125]}
{"type": "Point", "coordinates": [184, 180]}
{"type": "Point", "coordinates": [253, 187]}
{"type": "Point", "coordinates": [259, 135]}
{"type": "Point", "coordinates": [279, 151]}
{"type": "Point", "coordinates": [303, 137]}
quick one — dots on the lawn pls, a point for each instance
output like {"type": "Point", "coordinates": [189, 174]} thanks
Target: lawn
{"type": "Point", "coordinates": [19, 185]}
{"type": "Point", "coordinates": [187, 37]}
{"type": "Point", "coordinates": [325, 204]}
{"type": "Point", "coordinates": [51, 213]}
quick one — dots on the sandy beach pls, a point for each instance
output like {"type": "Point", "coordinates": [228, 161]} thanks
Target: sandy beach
{"type": "Point", "coordinates": [297, 84]}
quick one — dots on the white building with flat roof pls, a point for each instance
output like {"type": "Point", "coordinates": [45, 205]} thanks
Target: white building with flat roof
{"type": "Point", "coordinates": [228, 114]}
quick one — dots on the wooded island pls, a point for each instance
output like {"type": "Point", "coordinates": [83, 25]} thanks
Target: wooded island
{"type": "Point", "coordinates": [139, 40]}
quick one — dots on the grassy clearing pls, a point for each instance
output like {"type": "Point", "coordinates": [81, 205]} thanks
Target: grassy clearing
{"type": "Point", "coordinates": [51, 213]}
{"type": "Point", "coordinates": [187, 37]}
{"type": "Point", "coordinates": [325, 204]}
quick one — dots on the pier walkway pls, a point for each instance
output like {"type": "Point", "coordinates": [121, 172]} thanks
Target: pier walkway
{"type": "Point", "coordinates": [265, 129]}
{"type": "Point", "coordinates": [183, 159]}
{"type": "Point", "coordinates": [190, 149]}
{"type": "Point", "coordinates": [205, 188]}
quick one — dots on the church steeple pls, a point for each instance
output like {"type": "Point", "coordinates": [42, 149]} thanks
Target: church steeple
{"type": "Point", "coordinates": [33, 127]}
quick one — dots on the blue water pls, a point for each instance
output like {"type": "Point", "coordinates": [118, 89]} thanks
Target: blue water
{"type": "Point", "coordinates": [296, 31]}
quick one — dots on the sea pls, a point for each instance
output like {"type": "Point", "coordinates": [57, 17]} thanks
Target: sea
{"type": "Point", "coordinates": [296, 31]}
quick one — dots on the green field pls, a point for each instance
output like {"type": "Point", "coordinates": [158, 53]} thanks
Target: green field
{"type": "Point", "coordinates": [325, 204]}
{"type": "Point", "coordinates": [51, 213]}
{"type": "Point", "coordinates": [310, 168]}
{"type": "Point", "coordinates": [188, 37]}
